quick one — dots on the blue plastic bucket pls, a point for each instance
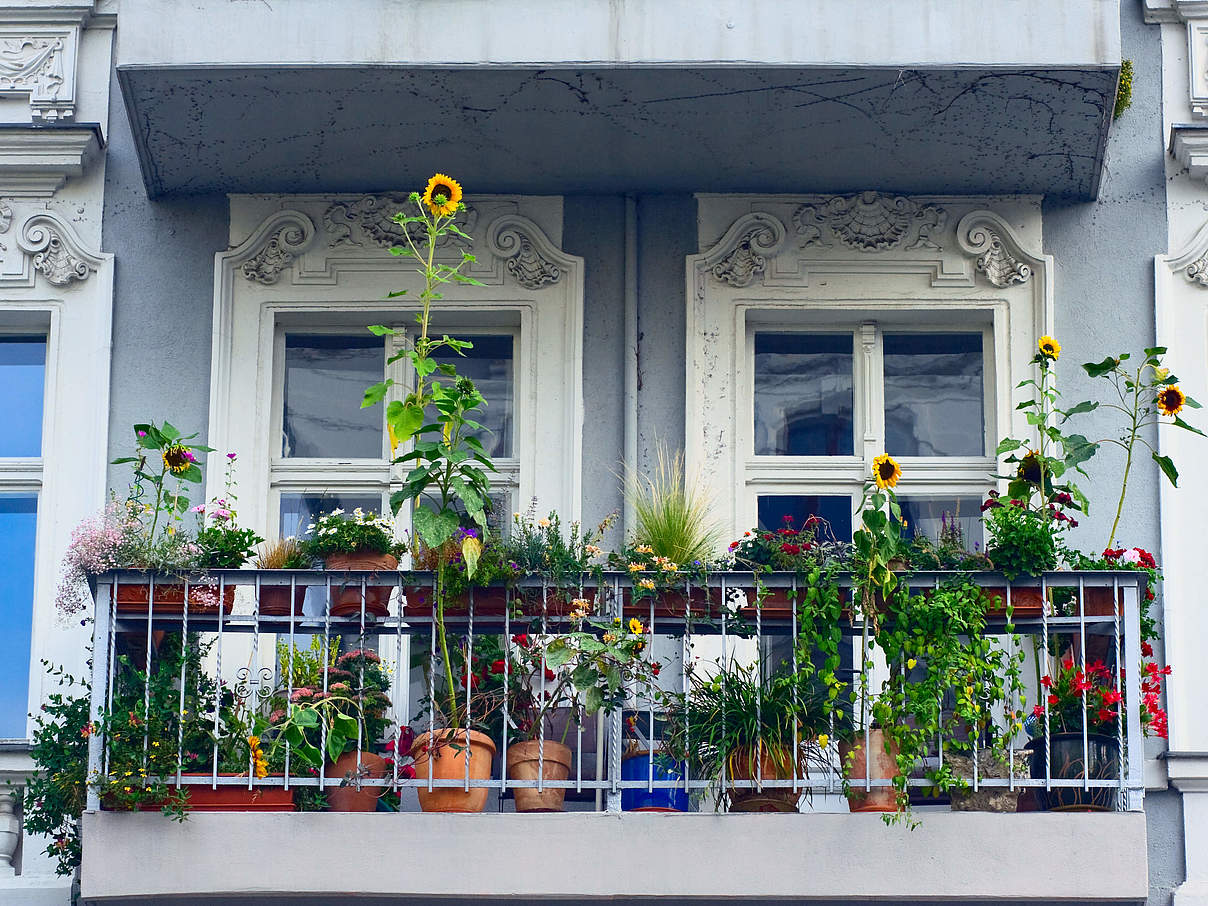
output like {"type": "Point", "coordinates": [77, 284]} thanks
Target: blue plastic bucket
{"type": "Point", "coordinates": [660, 799]}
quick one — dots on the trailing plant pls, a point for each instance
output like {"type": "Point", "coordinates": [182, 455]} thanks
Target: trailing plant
{"type": "Point", "coordinates": [1144, 396]}
{"type": "Point", "coordinates": [1124, 89]}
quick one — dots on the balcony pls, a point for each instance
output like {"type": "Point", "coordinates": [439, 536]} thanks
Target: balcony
{"type": "Point", "coordinates": [548, 97]}
{"type": "Point", "coordinates": [599, 848]}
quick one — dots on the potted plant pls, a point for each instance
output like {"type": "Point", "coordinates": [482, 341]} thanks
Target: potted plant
{"type": "Point", "coordinates": [539, 548]}
{"type": "Point", "coordinates": [360, 541]}
{"type": "Point", "coordinates": [592, 668]}
{"type": "Point", "coordinates": [488, 582]}
{"type": "Point", "coordinates": [1025, 541]}
{"type": "Point", "coordinates": [338, 727]}
{"type": "Point", "coordinates": [281, 553]}
{"type": "Point", "coordinates": [736, 725]}
{"type": "Point", "coordinates": [798, 550]}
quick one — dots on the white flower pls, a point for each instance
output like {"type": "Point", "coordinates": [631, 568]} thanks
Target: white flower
{"type": "Point", "coordinates": [336, 512]}
{"type": "Point", "coordinates": [359, 513]}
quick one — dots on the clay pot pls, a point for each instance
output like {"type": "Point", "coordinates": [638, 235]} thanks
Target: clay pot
{"type": "Point", "coordinates": [346, 599]}
{"type": "Point", "coordinates": [745, 765]}
{"type": "Point", "coordinates": [1026, 602]}
{"type": "Point", "coordinates": [523, 764]}
{"type": "Point", "coordinates": [884, 767]}
{"type": "Point", "coordinates": [205, 798]}
{"type": "Point", "coordinates": [350, 798]}
{"type": "Point", "coordinates": [274, 600]}
{"type": "Point", "coordinates": [987, 799]}
{"type": "Point", "coordinates": [444, 753]}
{"type": "Point", "coordinates": [489, 601]}
{"type": "Point", "coordinates": [170, 598]}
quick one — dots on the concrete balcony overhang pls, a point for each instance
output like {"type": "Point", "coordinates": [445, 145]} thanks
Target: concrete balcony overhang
{"type": "Point", "coordinates": [323, 858]}
{"type": "Point", "coordinates": [930, 96]}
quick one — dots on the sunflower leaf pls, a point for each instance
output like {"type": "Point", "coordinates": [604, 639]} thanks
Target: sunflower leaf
{"type": "Point", "coordinates": [1166, 464]}
{"type": "Point", "coordinates": [1098, 369]}
{"type": "Point", "coordinates": [1182, 424]}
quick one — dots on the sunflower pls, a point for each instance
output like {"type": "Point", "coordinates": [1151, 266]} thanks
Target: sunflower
{"type": "Point", "coordinates": [443, 195]}
{"type": "Point", "coordinates": [177, 459]}
{"type": "Point", "coordinates": [1171, 400]}
{"type": "Point", "coordinates": [1029, 467]}
{"type": "Point", "coordinates": [636, 627]}
{"type": "Point", "coordinates": [885, 471]}
{"type": "Point", "coordinates": [1049, 348]}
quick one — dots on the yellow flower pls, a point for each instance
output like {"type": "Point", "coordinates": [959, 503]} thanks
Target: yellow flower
{"type": "Point", "coordinates": [635, 625]}
{"type": "Point", "coordinates": [609, 637]}
{"type": "Point", "coordinates": [1049, 348]}
{"type": "Point", "coordinates": [544, 523]}
{"type": "Point", "coordinates": [668, 566]}
{"type": "Point", "coordinates": [253, 741]}
{"type": "Point", "coordinates": [823, 739]}
{"type": "Point", "coordinates": [1030, 467]}
{"type": "Point", "coordinates": [616, 621]}
{"type": "Point", "coordinates": [644, 549]}
{"type": "Point", "coordinates": [910, 664]}
{"type": "Point", "coordinates": [443, 195]}
{"type": "Point", "coordinates": [1171, 400]}
{"type": "Point", "coordinates": [393, 438]}
{"type": "Point", "coordinates": [885, 471]}
{"type": "Point", "coordinates": [647, 584]}
{"type": "Point", "coordinates": [177, 459]}
{"type": "Point", "coordinates": [1161, 373]}
{"type": "Point", "coordinates": [636, 567]}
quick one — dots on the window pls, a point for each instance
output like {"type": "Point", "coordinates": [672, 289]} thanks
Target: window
{"type": "Point", "coordinates": [827, 398]}
{"type": "Point", "coordinates": [22, 391]}
{"type": "Point", "coordinates": [335, 454]}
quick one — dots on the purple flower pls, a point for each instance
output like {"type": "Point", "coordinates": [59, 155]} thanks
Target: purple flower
{"type": "Point", "coordinates": [231, 457]}
{"type": "Point", "coordinates": [142, 433]}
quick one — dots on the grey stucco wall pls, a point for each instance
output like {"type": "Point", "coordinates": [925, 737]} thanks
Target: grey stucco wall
{"type": "Point", "coordinates": [162, 296]}
{"type": "Point", "coordinates": [1103, 253]}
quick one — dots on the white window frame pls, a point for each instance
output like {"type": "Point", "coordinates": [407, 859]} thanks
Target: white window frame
{"type": "Point", "coordinates": [785, 261]}
{"type": "Point", "coordinates": [843, 476]}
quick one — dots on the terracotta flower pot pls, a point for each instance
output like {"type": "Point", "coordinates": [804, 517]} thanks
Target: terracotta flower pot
{"type": "Point", "coordinates": [444, 753]}
{"type": "Point", "coordinates": [488, 601]}
{"type": "Point", "coordinates": [884, 766]}
{"type": "Point", "coordinates": [349, 798]}
{"type": "Point", "coordinates": [745, 765]}
{"type": "Point", "coordinates": [274, 600]}
{"type": "Point", "coordinates": [523, 764]}
{"type": "Point", "coordinates": [1098, 602]}
{"type": "Point", "coordinates": [204, 798]}
{"type": "Point", "coordinates": [1026, 602]}
{"type": "Point", "coordinates": [346, 598]}
{"type": "Point", "coordinates": [170, 598]}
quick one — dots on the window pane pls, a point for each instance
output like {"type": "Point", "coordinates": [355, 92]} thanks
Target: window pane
{"type": "Point", "coordinates": [927, 515]}
{"type": "Point", "coordinates": [778, 510]}
{"type": "Point", "coordinates": [934, 396]}
{"type": "Point", "coordinates": [325, 381]}
{"type": "Point", "coordinates": [22, 378]}
{"type": "Point", "coordinates": [18, 519]}
{"type": "Point", "coordinates": [803, 394]}
{"type": "Point", "coordinates": [489, 366]}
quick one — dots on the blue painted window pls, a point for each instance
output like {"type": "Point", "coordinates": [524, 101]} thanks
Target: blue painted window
{"type": "Point", "coordinates": [22, 383]}
{"type": "Point", "coordinates": [18, 521]}
{"type": "Point", "coordinates": [300, 510]}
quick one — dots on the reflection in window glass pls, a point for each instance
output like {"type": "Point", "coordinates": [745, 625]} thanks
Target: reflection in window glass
{"type": "Point", "coordinates": [929, 515]}
{"type": "Point", "coordinates": [803, 394]}
{"type": "Point", "coordinates": [22, 380]}
{"type": "Point", "coordinates": [300, 510]}
{"type": "Point", "coordinates": [18, 519]}
{"type": "Point", "coordinates": [489, 366]}
{"type": "Point", "coordinates": [934, 396]}
{"type": "Point", "coordinates": [325, 381]}
{"type": "Point", "coordinates": [777, 511]}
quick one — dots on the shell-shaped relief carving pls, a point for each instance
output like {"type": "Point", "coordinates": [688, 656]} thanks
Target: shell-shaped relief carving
{"type": "Point", "coordinates": [1197, 270]}
{"type": "Point", "coordinates": [742, 254]}
{"type": "Point", "coordinates": [869, 222]}
{"type": "Point", "coordinates": [1000, 266]}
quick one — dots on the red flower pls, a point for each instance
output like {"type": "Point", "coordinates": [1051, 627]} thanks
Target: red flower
{"type": "Point", "coordinates": [550, 676]}
{"type": "Point", "coordinates": [407, 772]}
{"type": "Point", "coordinates": [521, 639]}
{"type": "Point", "coordinates": [1038, 710]}
{"type": "Point", "coordinates": [1046, 681]}
{"type": "Point", "coordinates": [1053, 701]}
{"type": "Point", "coordinates": [655, 668]}
{"type": "Point", "coordinates": [499, 666]}
{"type": "Point", "coordinates": [1146, 649]}
{"type": "Point", "coordinates": [1106, 714]}
{"type": "Point", "coordinates": [791, 549]}
{"type": "Point", "coordinates": [1113, 553]}
{"type": "Point", "coordinates": [1112, 697]}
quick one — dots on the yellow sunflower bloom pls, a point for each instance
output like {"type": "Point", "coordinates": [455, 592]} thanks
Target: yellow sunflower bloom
{"type": "Point", "coordinates": [885, 471]}
{"type": "Point", "coordinates": [1171, 399]}
{"type": "Point", "coordinates": [443, 195]}
{"type": "Point", "coordinates": [636, 627]}
{"type": "Point", "coordinates": [1049, 348]}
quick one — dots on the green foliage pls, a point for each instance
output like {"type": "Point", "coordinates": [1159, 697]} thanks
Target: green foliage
{"type": "Point", "coordinates": [673, 515]}
{"type": "Point", "coordinates": [362, 533]}
{"type": "Point", "coordinates": [1022, 541]}
{"type": "Point", "coordinates": [225, 546]}
{"type": "Point", "coordinates": [540, 547]}
{"type": "Point", "coordinates": [163, 463]}
{"type": "Point", "coordinates": [303, 667]}
{"type": "Point", "coordinates": [1124, 89]}
{"type": "Point", "coordinates": [787, 549]}
{"type": "Point", "coordinates": [947, 552]}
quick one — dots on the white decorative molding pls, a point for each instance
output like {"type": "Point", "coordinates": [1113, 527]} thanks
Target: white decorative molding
{"type": "Point", "coordinates": [370, 219]}
{"type": "Point", "coordinates": [274, 246]}
{"type": "Point", "coordinates": [35, 163]}
{"type": "Point", "coordinates": [742, 253]}
{"type": "Point", "coordinates": [1000, 259]}
{"type": "Point", "coordinates": [56, 251]}
{"type": "Point", "coordinates": [1189, 146]}
{"type": "Point", "coordinates": [39, 62]}
{"type": "Point", "coordinates": [529, 257]}
{"type": "Point", "coordinates": [870, 222]}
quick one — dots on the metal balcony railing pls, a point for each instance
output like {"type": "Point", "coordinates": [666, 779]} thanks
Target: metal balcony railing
{"type": "Point", "coordinates": [242, 647]}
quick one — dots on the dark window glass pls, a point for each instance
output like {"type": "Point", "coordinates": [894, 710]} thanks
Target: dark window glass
{"type": "Point", "coordinates": [300, 510]}
{"type": "Point", "coordinates": [934, 394]}
{"type": "Point", "coordinates": [22, 387]}
{"type": "Point", "coordinates": [489, 364]}
{"type": "Point", "coordinates": [928, 515]}
{"type": "Point", "coordinates": [325, 381]}
{"type": "Point", "coordinates": [803, 394]}
{"type": "Point", "coordinates": [777, 511]}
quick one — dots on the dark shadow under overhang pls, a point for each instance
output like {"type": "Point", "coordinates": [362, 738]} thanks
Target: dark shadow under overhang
{"type": "Point", "coordinates": [614, 129]}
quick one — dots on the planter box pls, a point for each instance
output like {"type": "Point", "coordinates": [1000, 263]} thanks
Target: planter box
{"type": "Point", "coordinates": [170, 598]}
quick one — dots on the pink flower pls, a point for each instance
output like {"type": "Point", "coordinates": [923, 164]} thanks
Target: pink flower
{"type": "Point", "coordinates": [231, 457]}
{"type": "Point", "coordinates": [200, 508]}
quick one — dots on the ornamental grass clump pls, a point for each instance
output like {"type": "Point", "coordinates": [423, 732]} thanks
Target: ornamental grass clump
{"type": "Point", "coordinates": [672, 512]}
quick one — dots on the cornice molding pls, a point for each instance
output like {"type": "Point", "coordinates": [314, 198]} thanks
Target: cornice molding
{"type": "Point", "coordinates": [272, 247]}
{"type": "Point", "coordinates": [526, 252]}
{"type": "Point", "coordinates": [742, 253]}
{"type": "Point", "coordinates": [1001, 258]}
{"type": "Point", "coordinates": [35, 161]}
{"type": "Point", "coordinates": [56, 251]}
{"type": "Point", "coordinates": [1158, 11]}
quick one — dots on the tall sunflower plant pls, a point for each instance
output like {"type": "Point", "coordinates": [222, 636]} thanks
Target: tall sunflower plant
{"type": "Point", "coordinates": [1042, 475]}
{"type": "Point", "coordinates": [1145, 395]}
{"type": "Point", "coordinates": [435, 423]}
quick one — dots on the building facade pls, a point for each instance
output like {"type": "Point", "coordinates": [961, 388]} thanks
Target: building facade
{"type": "Point", "coordinates": [664, 197]}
